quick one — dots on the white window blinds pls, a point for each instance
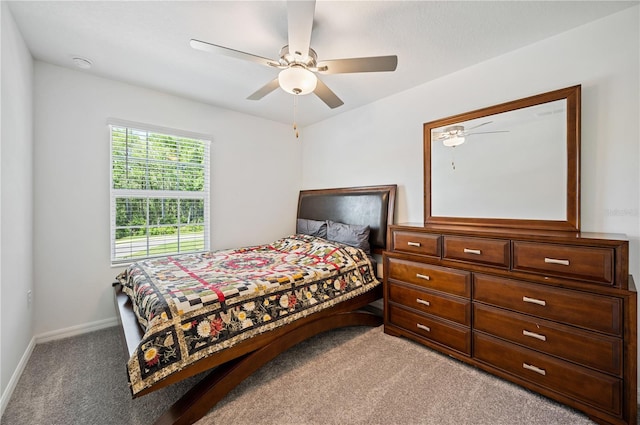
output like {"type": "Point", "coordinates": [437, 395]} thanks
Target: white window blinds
{"type": "Point", "coordinates": [159, 193]}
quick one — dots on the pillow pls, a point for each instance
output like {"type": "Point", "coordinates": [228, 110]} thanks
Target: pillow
{"type": "Point", "coordinates": [312, 227]}
{"type": "Point", "coordinates": [350, 234]}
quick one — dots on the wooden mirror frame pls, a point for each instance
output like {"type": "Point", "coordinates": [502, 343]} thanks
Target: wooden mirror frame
{"type": "Point", "coordinates": [572, 221]}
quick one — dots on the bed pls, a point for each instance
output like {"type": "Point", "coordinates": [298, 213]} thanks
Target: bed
{"type": "Point", "coordinates": [232, 311]}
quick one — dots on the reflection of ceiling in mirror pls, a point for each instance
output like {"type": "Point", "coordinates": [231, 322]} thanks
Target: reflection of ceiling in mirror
{"type": "Point", "coordinates": [511, 165]}
{"type": "Point", "coordinates": [456, 134]}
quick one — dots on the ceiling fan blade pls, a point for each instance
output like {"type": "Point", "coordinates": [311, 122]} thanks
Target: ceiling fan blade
{"type": "Point", "coordinates": [265, 90]}
{"type": "Point", "coordinates": [486, 132]}
{"type": "Point", "coordinates": [479, 125]}
{"type": "Point", "coordinates": [300, 23]}
{"type": "Point", "coordinates": [327, 96]}
{"type": "Point", "coordinates": [370, 64]}
{"type": "Point", "coordinates": [214, 48]}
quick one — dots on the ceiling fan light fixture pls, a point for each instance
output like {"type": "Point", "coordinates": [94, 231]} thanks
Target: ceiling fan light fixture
{"type": "Point", "coordinates": [453, 141]}
{"type": "Point", "coordinates": [297, 80]}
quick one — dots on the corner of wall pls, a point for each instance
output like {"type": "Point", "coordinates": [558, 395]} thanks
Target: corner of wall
{"type": "Point", "coordinates": [16, 202]}
{"type": "Point", "coordinates": [15, 377]}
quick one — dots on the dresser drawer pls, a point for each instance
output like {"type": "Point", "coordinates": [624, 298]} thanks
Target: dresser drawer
{"type": "Point", "coordinates": [416, 243]}
{"type": "Point", "coordinates": [448, 334]}
{"type": "Point", "coordinates": [578, 262]}
{"type": "Point", "coordinates": [591, 387]}
{"type": "Point", "coordinates": [590, 311]}
{"type": "Point", "coordinates": [587, 348]}
{"type": "Point", "coordinates": [494, 252]}
{"type": "Point", "coordinates": [443, 279]}
{"type": "Point", "coordinates": [450, 308]}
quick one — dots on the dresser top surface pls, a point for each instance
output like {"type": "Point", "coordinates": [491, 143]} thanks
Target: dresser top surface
{"type": "Point", "coordinates": [505, 232]}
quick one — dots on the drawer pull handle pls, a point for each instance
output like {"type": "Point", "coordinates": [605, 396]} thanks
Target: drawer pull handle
{"type": "Point", "coordinates": [556, 261]}
{"type": "Point", "coordinates": [534, 301]}
{"type": "Point", "coordinates": [423, 327]}
{"type": "Point", "coordinates": [472, 251]}
{"type": "Point", "coordinates": [534, 335]}
{"type": "Point", "coordinates": [414, 244]}
{"type": "Point", "coordinates": [423, 276]}
{"type": "Point", "coordinates": [421, 301]}
{"type": "Point", "coordinates": [534, 369]}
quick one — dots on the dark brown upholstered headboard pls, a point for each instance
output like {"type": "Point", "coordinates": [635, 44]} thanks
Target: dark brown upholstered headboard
{"type": "Point", "coordinates": [367, 205]}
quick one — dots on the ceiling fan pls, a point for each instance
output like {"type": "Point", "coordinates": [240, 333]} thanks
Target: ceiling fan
{"type": "Point", "coordinates": [298, 62]}
{"type": "Point", "coordinates": [455, 135]}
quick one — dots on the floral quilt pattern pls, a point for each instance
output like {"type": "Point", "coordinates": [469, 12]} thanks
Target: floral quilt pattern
{"type": "Point", "coordinates": [194, 305]}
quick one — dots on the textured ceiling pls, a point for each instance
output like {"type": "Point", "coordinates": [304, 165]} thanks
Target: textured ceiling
{"type": "Point", "coordinates": [147, 43]}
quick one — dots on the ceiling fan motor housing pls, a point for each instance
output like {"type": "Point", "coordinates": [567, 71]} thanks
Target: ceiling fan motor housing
{"type": "Point", "coordinates": [288, 58]}
{"type": "Point", "coordinates": [454, 130]}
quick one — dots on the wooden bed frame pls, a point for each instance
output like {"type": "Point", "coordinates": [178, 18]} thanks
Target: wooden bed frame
{"type": "Point", "coordinates": [370, 205]}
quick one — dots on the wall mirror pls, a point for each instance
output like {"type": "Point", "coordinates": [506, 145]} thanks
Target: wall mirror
{"type": "Point", "coordinates": [516, 164]}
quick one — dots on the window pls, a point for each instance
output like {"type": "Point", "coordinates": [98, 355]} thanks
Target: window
{"type": "Point", "coordinates": [159, 192]}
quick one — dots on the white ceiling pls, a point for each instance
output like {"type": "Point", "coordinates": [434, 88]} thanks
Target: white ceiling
{"type": "Point", "coordinates": [146, 43]}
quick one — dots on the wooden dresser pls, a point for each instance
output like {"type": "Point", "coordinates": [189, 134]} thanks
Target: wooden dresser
{"type": "Point", "coordinates": [554, 312]}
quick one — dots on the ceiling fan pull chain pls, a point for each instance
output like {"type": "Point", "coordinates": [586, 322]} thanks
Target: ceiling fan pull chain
{"type": "Point", "coordinates": [295, 112]}
{"type": "Point", "coordinates": [453, 159]}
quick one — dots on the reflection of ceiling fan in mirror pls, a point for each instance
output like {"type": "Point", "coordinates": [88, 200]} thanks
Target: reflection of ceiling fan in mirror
{"type": "Point", "coordinates": [455, 135]}
{"type": "Point", "coordinates": [298, 61]}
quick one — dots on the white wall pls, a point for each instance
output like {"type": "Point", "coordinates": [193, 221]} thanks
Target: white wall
{"type": "Point", "coordinates": [603, 57]}
{"type": "Point", "coordinates": [255, 180]}
{"type": "Point", "coordinates": [16, 200]}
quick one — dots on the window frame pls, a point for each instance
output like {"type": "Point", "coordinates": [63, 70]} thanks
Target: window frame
{"type": "Point", "coordinates": [151, 194]}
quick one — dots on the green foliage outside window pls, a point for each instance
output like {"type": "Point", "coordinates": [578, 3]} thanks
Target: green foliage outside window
{"type": "Point", "coordinates": [159, 184]}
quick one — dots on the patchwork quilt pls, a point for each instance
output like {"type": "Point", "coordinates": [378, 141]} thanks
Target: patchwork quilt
{"type": "Point", "coordinates": [194, 305]}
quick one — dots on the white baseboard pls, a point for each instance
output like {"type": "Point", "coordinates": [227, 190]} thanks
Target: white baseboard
{"type": "Point", "coordinates": [11, 386]}
{"type": "Point", "coordinates": [76, 330]}
{"type": "Point", "coordinates": [46, 337]}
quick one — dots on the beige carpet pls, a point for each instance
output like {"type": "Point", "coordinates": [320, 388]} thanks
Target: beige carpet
{"type": "Point", "coordinates": [349, 376]}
